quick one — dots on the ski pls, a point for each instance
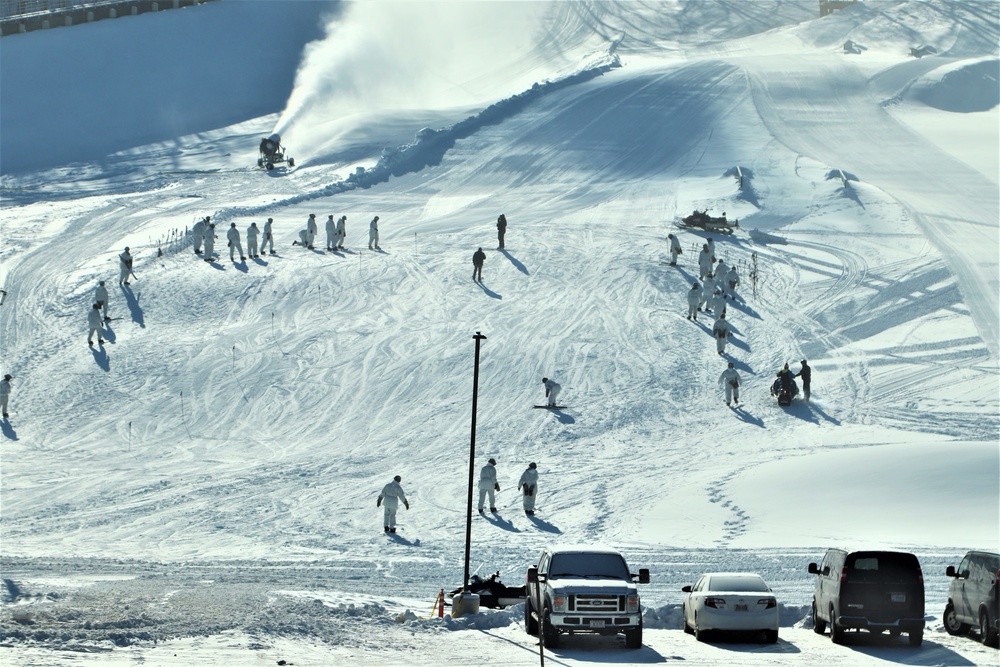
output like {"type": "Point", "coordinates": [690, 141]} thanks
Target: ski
{"type": "Point", "coordinates": [551, 407]}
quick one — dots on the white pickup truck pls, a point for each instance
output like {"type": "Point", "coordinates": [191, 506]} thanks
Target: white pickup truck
{"type": "Point", "coordinates": [583, 589]}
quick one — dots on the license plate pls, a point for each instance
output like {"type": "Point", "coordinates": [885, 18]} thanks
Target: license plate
{"type": "Point", "coordinates": [898, 597]}
{"type": "Point", "coordinates": [741, 607]}
{"type": "Point", "coordinates": [597, 624]}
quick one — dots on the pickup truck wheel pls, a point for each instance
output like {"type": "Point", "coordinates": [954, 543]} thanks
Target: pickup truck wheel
{"type": "Point", "coordinates": [951, 623]}
{"type": "Point", "coordinates": [551, 634]}
{"type": "Point", "coordinates": [530, 624]}
{"type": "Point", "coordinates": [633, 638]}
{"type": "Point", "coordinates": [819, 625]}
{"type": "Point", "coordinates": [987, 630]}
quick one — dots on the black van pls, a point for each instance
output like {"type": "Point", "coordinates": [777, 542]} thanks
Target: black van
{"type": "Point", "coordinates": [869, 590]}
{"type": "Point", "coordinates": [973, 598]}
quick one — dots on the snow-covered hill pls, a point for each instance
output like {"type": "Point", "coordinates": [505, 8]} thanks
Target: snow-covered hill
{"type": "Point", "coordinates": [215, 465]}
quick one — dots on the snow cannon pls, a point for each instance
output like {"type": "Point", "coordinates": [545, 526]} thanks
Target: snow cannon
{"type": "Point", "coordinates": [272, 153]}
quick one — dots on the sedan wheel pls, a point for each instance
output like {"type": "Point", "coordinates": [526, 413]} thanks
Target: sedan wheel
{"type": "Point", "coordinates": [699, 634]}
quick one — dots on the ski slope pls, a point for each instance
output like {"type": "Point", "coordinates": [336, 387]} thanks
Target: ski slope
{"type": "Point", "coordinates": [203, 486]}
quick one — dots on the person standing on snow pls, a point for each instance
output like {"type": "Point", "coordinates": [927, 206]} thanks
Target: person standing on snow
{"type": "Point", "coordinates": [268, 237]}
{"type": "Point", "coordinates": [125, 266]}
{"type": "Point", "coordinates": [675, 249]}
{"type": "Point", "coordinates": [252, 233]}
{"type": "Point", "coordinates": [705, 259]}
{"type": "Point", "coordinates": [718, 303]}
{"type": "Point", "coordinates": [721, 269]}
{"type": "Point", "coordinates": [732, 280]}
{"type": "Point", "coordinates": [501, 229]}
{"type": "Point", "coordinates": [694, 301]}
{"type": "Point", "coordinates": [331, 232]}
{"type": "Point", "coordinates": [209, 242]}
{"type": "Point", "coordinates": [552, 389]}
{"type": "Point", "coordinates": [528, 486]}
{"type": "Point", "coordinates": [101, 297]}
{"type": "Point", "coordinates": [707, 290]}
{"type": "Point", "coordinates": [710, 242]}
{"type": "Point", "coordinates": [198, 234]}
{"type": "Point", "coordinates": [96, 324]}
{"type": "Point", "coordinates": [341, 232]}
{"type": "Point", "coordinates": [488, 485]}
{"type": "Point", "coordinates": [806, 375]}
{"type": "Point", "coordinates": [5, 394]}
{"type": "Point", "coordinates": [234, 242]}
{"type": "Point", "coordinates": [311, 231]}
{"type": "Point", "coordinates": [391, 494]}
{"type": "Point", "coordinates": [722, 334]}
{"type": "Point", "coordinates": [730, 380]}
{"type": "Point", "coordinates": [478, 258]}
{"type": "Point", "coordinates": [373, 234]}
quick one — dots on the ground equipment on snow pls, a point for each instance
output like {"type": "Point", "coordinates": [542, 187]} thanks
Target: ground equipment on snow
{"type": "Point", "coordinates": [272, 153]}
{"type": "Point", "coordinates": [702, 220]}
{"type": "Point", "coordinates": [784, 396]}
{"type": "Point", "coordinates": [492, 593]}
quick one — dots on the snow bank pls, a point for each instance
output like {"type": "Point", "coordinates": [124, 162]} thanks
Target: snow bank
{"type": "Point", "coordinates": [962, 87]}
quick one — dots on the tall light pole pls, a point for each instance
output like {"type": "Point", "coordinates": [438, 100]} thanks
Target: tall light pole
{"type": "Point", "coordinates": [472, 461]}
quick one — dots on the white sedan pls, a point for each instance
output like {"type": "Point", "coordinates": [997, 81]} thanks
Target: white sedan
{"type": "Point", "coordinates": [730, 601]}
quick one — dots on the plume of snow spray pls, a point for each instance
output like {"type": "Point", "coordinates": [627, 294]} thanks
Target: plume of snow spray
{"type": "Point", "coordinates": [391, 56]}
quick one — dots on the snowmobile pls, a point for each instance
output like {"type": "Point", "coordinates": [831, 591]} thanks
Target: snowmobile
{"type": "Point", "coordinates": [702, 220]}
{"type": "Point", "coordinates": [784, 396]}
{"type": "Point", "coordinates": [492, 592]}
{"type": "Point", "coordinates": [271, 153]}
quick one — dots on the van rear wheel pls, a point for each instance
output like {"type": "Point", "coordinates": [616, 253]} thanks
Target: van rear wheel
{"type": "Point", "coordinates": [916, 637]}
{"type": "Point", "coordinates": [819, 625]}
{"type": "Point", "coordinates": [836, 632]}
{"type": "Point", "coordinates": [987, 630]}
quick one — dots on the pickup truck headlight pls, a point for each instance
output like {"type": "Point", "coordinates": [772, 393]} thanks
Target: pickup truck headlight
{"type": "Point", "coordinates": [632, 604]}
{"type": "Point", "coordinates": [560, 603]}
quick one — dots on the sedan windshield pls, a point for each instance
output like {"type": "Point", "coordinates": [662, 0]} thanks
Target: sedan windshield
{"type": "Point", "coordinates": [750, 583]}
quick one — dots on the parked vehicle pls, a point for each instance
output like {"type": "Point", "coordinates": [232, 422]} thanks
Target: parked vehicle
{"type": "Point", "coordinates": [492, 592]}
{"type": "Point", "coordinates": [702, 220]}
{"type": "Point", "coordinates": [271, 152]}
{"type": "Point", "coordinates": [876, 591]}
{"type": "Point", "coordinates": [974, 598]}
{"type": "Point", "coordinates": [583, 589]}
{"type": "Point", "coordinates": [730, 601]}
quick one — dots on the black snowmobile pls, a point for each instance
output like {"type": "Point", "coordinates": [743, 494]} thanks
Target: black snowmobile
{"type": "Point", "coordinates": [784, 394]}
{"type": "Point", "coordinates": [702, 220]}
{"type": "Point", "coordinates": [492, 593]}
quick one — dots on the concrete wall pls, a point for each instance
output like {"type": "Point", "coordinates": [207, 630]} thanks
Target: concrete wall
{"type": "Point", "coordinates": [78, 13]}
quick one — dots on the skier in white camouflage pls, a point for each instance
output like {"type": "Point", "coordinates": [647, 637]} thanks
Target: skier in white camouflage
{"type": "Point", "coordinates": [552, 389]}
{"type": "Point", "coordinates": [373, 234]}
{"type": "Point", "coordinates": [341, 232]}
{"type": "Point", "coordinates": [5, 394]}
{"type": "Point", "coordinates": [268, 243]}
{"type": "Point", "coordinates": [528, 486]}
{"type": "Point", "coordinates": [101, 297]}
{"type": "Point", "coordinates": [234, 242]}
{"type": "Point", "coordinates": [391, 494]}
{"type": "Point", "coordinates": [732, 280]}
{"type": "Point", "coordinates": [331, 232]}
{"type": "Point", "coordinates": [252, 233]}
{"type": "Point", "coordinates": [125, 266]}
{"type": "Point", "coordinates": [311, 231]}
{"type": "Point", "coordinates": [707, 290]}
{"type": "Point", "coordinates": [488, 485]}
{"type": "Point", "coordinates": [694, 301]}
{"type": "Point", "coordinates": [96, 324]}
{"type": "Point", "coordinates": [705, 260]}
{"type": "Point", "coordinates": [722, 334]}
{"type": "Point", "coordinates": [675, 249]}
{"type": "Point", "coordinates": [198, 234]}
{"type": "Point", "coordinates": [718, 303]}
{"type": "Point", "coordinates": [730, 380]}
{"type": "Point", "coordinates": [209, 242]}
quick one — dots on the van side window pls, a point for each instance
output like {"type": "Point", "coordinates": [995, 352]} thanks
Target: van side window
{"type": "Point", "coordinates": [963, 569]}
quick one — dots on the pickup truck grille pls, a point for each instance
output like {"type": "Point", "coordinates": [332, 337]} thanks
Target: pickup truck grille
{"type": "Point", "coordinates": [602, 604]}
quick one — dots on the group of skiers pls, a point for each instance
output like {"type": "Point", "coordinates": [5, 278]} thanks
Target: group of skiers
{"type": "Point", "coordinates": [392, 493]}
{"type": "Point", "coordinates": [479, 257]}
{"type": "Point", "coordinates": [718, 287]}
{"type": "Point", "coordinates": [98, 313]}
{"type": "Point", "coordinates": [336, 233]}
